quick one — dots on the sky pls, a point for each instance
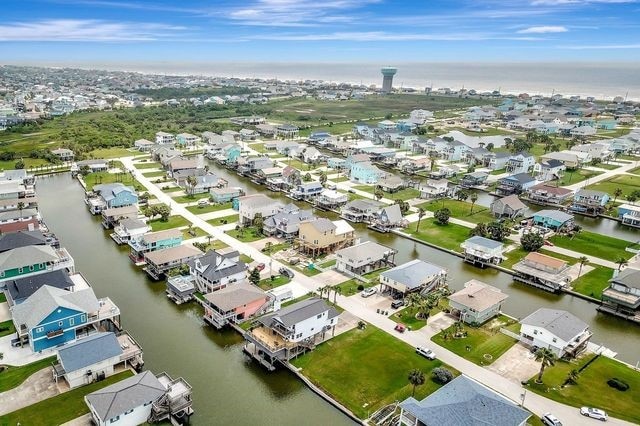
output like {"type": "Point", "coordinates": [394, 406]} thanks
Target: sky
{"type": "Point", "coordinates": [319, 30]}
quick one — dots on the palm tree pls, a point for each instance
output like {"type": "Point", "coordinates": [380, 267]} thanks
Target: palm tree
{"type": "Point", "coordinates": [191, 184]}
{"type": "Point", "coordinates": [572, 377]}
{"type": "Point", "coordinates": [616, 193]}
{"type": "Point", "coordinates": [416, 378]}
{"type": "Point", "coordinates": [621, 262]}
{"type": "Point", "coordinates": [546, 359]}
{"type": "Point", "coordinates": [21, 207]}
{"type": "Point", "coordinates": [421, 213]}
{"type": "Point", "coordinates": [582, 261]}
{"type": "Point", "coordinates": [336, 290]}
{"type": "Point", "coordinates": [473, 198]}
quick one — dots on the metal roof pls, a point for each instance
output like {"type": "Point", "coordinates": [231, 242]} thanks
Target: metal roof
{"type": "Point", "coordinates": [89, 351]}
{"type": "Point", "coordinates": [563, 324]}
{"type": "Point", "coordinates": [413, 274]}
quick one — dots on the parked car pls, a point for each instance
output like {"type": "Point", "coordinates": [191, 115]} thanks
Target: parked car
{"type": "Point", "coordinates": [550, 420]}
{"type": "Point", "coordinates": [400, 328]}
{"type": "Point", "coordinates": [427, 353]}
{"type": "Point", "coordinates": [594, 413]}
{"type": "Point", "coordinates": [203, 203]}
{"type": "Point", "coordinates": [260, 267]}
{"type": "Point", "coordinates": [286, 272]}
{"type": "Point", "coordinates": [351, 191]}
{"type": "Point", "coordinates": [397, 303]}
{"type": "Point", "coordinates": [368, 292]}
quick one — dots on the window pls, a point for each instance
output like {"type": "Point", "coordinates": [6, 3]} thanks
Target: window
{"type": "Point", "coordinates": [72, 321]}
{"type": "Point", "coordinates": [1, 273]}
{"type": "Point", "coordinates": [41, 266]}
{"type": "Point", "coordinates": [39, 329]}
{"type": "Point", "coordinates": [319, 316]}
{"type": "Point", "coordinates": [555, 340]}
{"type": "Point", "coordinates": [60, 323]}
{"type": "Point", "coordinates": [31, 267]}
{"type": "Point", "coordinates": [115, 419]}
{"type": "Point", "coordinates": [147, 403]}
{"type": "Point", "coordinates": [20, 270]}
{"type": "Point", "coordinates": [535, 331]}
{"type": "Point", "coordinates": [128, 412]}
{"type": "Point", "coordinates": [83, 318]}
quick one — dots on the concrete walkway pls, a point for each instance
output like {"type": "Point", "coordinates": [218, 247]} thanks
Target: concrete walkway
{"type": "Point", "coordinates": [604, 176]}
{"type": "Point", "coordinates": [535, 403]}
{"type": "Point", "coordinates": [38, 387]}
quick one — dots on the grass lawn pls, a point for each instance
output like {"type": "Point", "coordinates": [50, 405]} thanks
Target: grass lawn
{"type": "Point", "coordinates": [3, 298]}
{"type": "Point", "coordinates": [635, 171]}
{"type": "Point", "coordinates": [297, 164]}
{"type": "Point", "coordinates": [154, 174]}
{"type": "Point", "coordinates": [209, 208]}
{"type": "Point", "coordinates": [305, 270]}
{"type": "Point", "coordinates": [148, 165]}
{"type": "Point", "coordinates": [172, 189]}
{"type": "Point", "coordinates": [190, 198]}
{"type": "Point", "coordinates": [483, 344]}
{"type": "Point", "coordinates": [217, 245]}
{"type": "Point", "coordinates": [593, 244]}
{"type": "Point", "coordinates": [367, 369]}
{"type": "Point", "coordinates": [407, 316]}
{"type": "Point", "coordinates": [607, 166]}
{"type": "Point", "coordinates": [246, 235]}
{"type": "Point", "coordinates": [460, 210]}
{"type": "Point", "coordinates": [114, 152]}
{"type": "Point", "coordinates": [593, 282]}
{"type": "Point", "coordinates": [62, 408]}
{"type": "Point", "coordinates": [571, 177]}
{"type": "Point", "coordinates": [449, 236]}
{"type": "Point", "coordinates": [340, 179]}
{"type": "Point", "coordinates": [350, 287]}
{"type": "Point", "coordinates": [7, 328]}
{"type": "Point", "coordinates": [403, 194]}
{"type": "Point", "coordinates": [516, 255]}
{"type": "Point", "coordinates": [626, 183]}
{"type": "Point", "coordinates": [197, 231]}
{"type": "Point", "coordinates": [297, 299]}
{"type": "Point", "coordinates": [246, 258]}
{"type": "Point", "coordinates": [592, 389]}
{"type": "Point", "coordinates": [29, 163]}
{"type": "Point", "coordinates": [12, 377]}
{"type": "Point", "coordinates": [278, 247]}
{"type": "Point", "coordinates": [328, 263]}
{"type": "Point", "coordinates": [258, 147]}
{"type": "Point", "coordinates": [277, 281]}
{"type": "Point", "coordinates": [93, 179]}
{"type": "Point", "coordinates": [175, 221]}
{"type": "Point", "coordinates": [224, 220]}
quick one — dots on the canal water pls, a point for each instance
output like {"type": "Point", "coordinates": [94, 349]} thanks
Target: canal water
{"type": "Point", "coordinates": [227, 388]}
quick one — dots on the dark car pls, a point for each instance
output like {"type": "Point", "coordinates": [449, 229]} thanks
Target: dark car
{"type": "Point", "coordinates": [397, 303]}
{"type": "Point", "coordinates": [286, 272]}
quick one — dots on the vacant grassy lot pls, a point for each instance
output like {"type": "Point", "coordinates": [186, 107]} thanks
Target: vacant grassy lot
{"type": "Point", "coordinates": [175, 221]}
{"type": "Point", "coordinates": [373, 368]}
{"type": "Point", "coordinates": [407, 316]}
{"type": "Point", "coordinates": [593, 244]}
{"type": "Point", "coordinates": [482, 345]}
{"type": "Point", "coordinates": [148, 165]}
{"type": "Point", "coordinates": [209, 208]}
{"type": "Point", "coordinates": [403, 194]}
{"type": "Point", "coordinates": [12, 377]}
{"type": "Point", "coordinates": [626, 183]}
{"type": "Point", "coordinates": [154, 174]}
{"type": "Point", "coordinates": [460, 210]}
{"type": "Point", "coordinates": [350, 287]}
{"type": "Point", "coordinates": [592, 389]}
{"type": "Point", "coordinates": [224, 220]}
{"type": "Point", "coordinates": [62, 408]}
{"type": "Point", "coordinates": [247, 234]}
{"type": "Point", "coordinates": [593, 282]}
{"type": "Point", "coordinates": [449, 236]}
{"type": "Point", "coordinates": [182, 199]}
{"type": "Point", "coordinates": [277, 281]}
{"type": "Point", "coordinates": [195, 232]}
{"type": "Point", "coordinates": [93, 179]}
{"type": "Point", "coordinates": [576, 176]}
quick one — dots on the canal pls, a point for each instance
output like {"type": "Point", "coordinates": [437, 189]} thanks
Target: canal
{"type": "Point", "coordinates": [228, 389]}
{"type": "Point", "coordinates": [617, 334]}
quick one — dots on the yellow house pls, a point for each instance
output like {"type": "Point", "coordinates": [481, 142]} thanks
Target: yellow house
{"type": "Point", "coordinates": [320, 236]}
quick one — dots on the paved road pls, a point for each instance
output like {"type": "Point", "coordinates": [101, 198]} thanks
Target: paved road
{"type": "Point", "coordinates": [355, 305]}
{"type": "Point", "coordinates": [606, 175]}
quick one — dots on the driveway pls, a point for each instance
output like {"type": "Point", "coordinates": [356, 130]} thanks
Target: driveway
{"type": "Point", "coordinates": [20, 356]}
{"type": "Point", "coordinates": [5, 315]}
{"type": "Point", "coordinates": [517, 364]}
{"type": "Point", "coordinates": [39, 386]}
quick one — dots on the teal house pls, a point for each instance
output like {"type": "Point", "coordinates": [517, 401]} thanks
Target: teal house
{"type": "Point", "coordinates": [552, 219]}
{"type": "Point", "coordinates": [153, 241]}
{"type": "Point", "coordinates": [32, 260]}
{"type": "Point", "coordinates": [225, 195]}
{"type": "Point", "coordinates": [232, 153]}
{"type": "Point", "coordinates": [116, 194]}
{"type": "Point", "coordinates": [365, 173]}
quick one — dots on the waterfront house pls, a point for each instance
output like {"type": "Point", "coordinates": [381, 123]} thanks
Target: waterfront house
{"type": "Point", "coordinates": [180, 288]}
{"type": "Point", "coordinates": [225, 195]}
{"type": "Point", "coordinates": [454, 151]}
{"type": "Point", "coordinates": [515, 184]}
{"type": "Point", "coordinates": [154, 241]}
{"type": "Point", "coordinates": [355, 159]}
{"type": "Point", "coordinates": [266, 130]}
{"type": "Point", "coordinates": [629, 215]}
{"type": "Point", "coordinates": [549, 195]}
{"type": "Point", "coordinates": [311, 155]}
{"type": "Point", "coordinates": [497, 160]}
{"type": "Point", "coordinates": [7, 204]}
{"type": "Point", "coordinates": [307, 190]}
{"type": "Point", "coordinates": [52, 316]}
{"type": "Point", "coordinates": [462, 402]}
{"type": "Point", "coordinates": [322, 236]}
{"type": "Point", "coordinates": [13, 190]}
{"type": "Point", "coordinates": [25, 238]}
{"type": "Point", "coordinates": [360, 210]}
{"type": "Point", "coordinates": [474, 179]}
{"type": "Point", "coordinates": [93, 165]}
{"type": "Point", "coordinates": [285, 223]}
{"type": "Point", "coordinates": [187, 139]}
{"type": "Point", "coordinates": [561, 332]}
{"type": "Point", "coordinates": [363, 258]}
{"type": "Point", "coordinates": [164, 138]}
{"type": "Point", "coordinates": [337, 163]}
{"type": "Point", "coordinates": [143, 398]}
{"type": "Point", "coordinates": [180, 164]}
{"type": "Point", "coordinates": [547, 170]}
{"type": "Point", "coordinates": [248, 134]}
{"type": "Point", "coordinates": [589, 202]}
{"type": "Point", "coordinates": [286, 131]}
{"type": "Point", "coordinates": [391, 183]}
{"type": "Point", "coordinates": [19, 290]}
{"type": "Point", "coordinates": [205, 183]}
{"type": "Point", "coordinates": [388, 218]}
{"type": "Point", "coordinates": [63, 154]}
{"type": "Point", "coordinates": [571, 159]}
{"type": "Point", "coordinates": [330, 199]}
{"type": "Point", "coordinates": [413, 276]}
{"type": "Point", "coordinates": [88, 360]}
{"type": "Point", "coordinates": [293, 330]}
{"type": "Point", "coordinates": [509, 206]}
{"type": "Point", "coordinates": [596, 150]}
{"type": "Point", "coordinates": [365, 173]}
{"type": "Point", "coordinates": [256, 204]}
{"type": "Point", "coordinates": [520, 163]}
{"type": "Point", "coordinates": [111, 195]}
{"type": "Point", "coordinates": [143, 145]}
{"type": "Point", "coordinates": [19, 220]}
{"type": "Point", "coordinates": [111, 216]}
{"type": "Point", "coordinates": [160, 262]}
{"type": "Point", "coordinates": [622, 296]}
{"type": "Point", "coordinates": [165, 154]}
{"type": "Point", "coordinates": [32, 260]}
{"type": "Point", "coordinates": [216, 270]}
{"type": "Point", "coordinates": [477, 302]}
{"type": "Point", "coordinates": [286, 148]}
{"type": "Point", "coordinates": [553, 219]}
{"type": "Point", "coordinates": [542, 271]}
{"type": "Point", "coordinates": [235, 304]}
{"type": "Point", "coordinates": [481, 251]}
{"type": "Point", "coordinates": [128, 229]}
{"type": "Point", "coordinates": [435, 188]}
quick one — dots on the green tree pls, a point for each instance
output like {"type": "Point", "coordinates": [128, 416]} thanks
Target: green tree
{"type": "Point", "coordinates": [323, 177]}
{"type": "Point", "coordinates": [254, 276]}
{"type": "Point", "coordinates": [416, 378]}
{"type": "Point", "coordinates": [621, 262]}
{"type": "Point", "coordinates": [473, 198]}
{"type": "Point", "coordinates": [442, 216]}
{"type": "Point", "coordinates": [421, 213]}
{"type": "Point", "coordinates": [258, 221]}
{"type": "Point", "coordinates": [471, 168]}
{"type": "Point", "coordinates": [572, 377]}
{"type": "Point", "coordinates": [498, 231]}
{"type": "Point", "coordinates": [546, 358]}
{"type": "Point", "coordinates": [462, 195]}
{"type": "Point", "coordinates": [20, 207]}
{"type": "Point", "coordinates": [490, 146]}
{"type": "Point", "coordinates": [616, 193]}
{"type": "Point", "coordinates": [267, 247]}
{"type": "Point", "coordinates": [480, 230]}
{"type": "Point", "coordinates": [582, 260]}
{"type": "Point", "coordinates": [307, 177]}
{"type": "Point", "coordinates": [191, 183]}
{"type": "Point", "coordinates": [378, 194]}
{"type": "Point", "coordinates": [532, 241]}
{"type": "Point", "coordinates": [19, 165]}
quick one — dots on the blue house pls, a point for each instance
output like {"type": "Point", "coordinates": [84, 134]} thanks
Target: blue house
{"type": "Point", "coordinates": [366, 173]}
{"type": "Point", "coordinates": [337, 163]}
{"type": "Point", "coordinates": [552, 219]}
{"type": "Point", "coordinates": [455, 151]}
{"type": "Point", "coordinates": [589, 202]}
{"type": "Point", "coordinates": [307, 191]}
{"type": "Point", "coordinates": [153, 241]}
{"type": "Point", "coordinates": [116, 194]}
{"type": "Point", "coordinates": [515, 184]}
{"type": "Point", "coordinates": [231, 153]}
{"type": "Point", "coordinates": [225, 195]}
{"type": "Point", "coordinates": [53, 316]}
{"type": "Point", "coordinates": [629, 215]}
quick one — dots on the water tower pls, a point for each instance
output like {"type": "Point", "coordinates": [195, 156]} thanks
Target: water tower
{"type": "Point", "coordinates": [387, 78]}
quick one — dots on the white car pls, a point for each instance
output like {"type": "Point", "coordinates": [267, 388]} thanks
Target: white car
{"type": "Point", "coordinates": [550, 420]}
{"type": "Point", "coordinates": [594, 413]}
{"type": "Point", "coordinates": [368, 292]}
{"type": "Point", "coordinates": [427, 353]}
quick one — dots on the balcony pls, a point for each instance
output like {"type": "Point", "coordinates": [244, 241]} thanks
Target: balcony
{"type": "Point", "coordinates": [55, 333]}
{"type": "Point", "coordinates": [106, 310]}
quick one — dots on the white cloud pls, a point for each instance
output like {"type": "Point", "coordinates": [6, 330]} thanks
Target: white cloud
{"type": "Point", "coordinates": [600, 46]}
{"type": "Point", "coordinates": [84, 30]}
{"type": "Point", "coordinates": [545, 29]}
{"type": "Point", "coordinates": [565, 2]}
{"type": "Point", "coordinates": [378, 36]}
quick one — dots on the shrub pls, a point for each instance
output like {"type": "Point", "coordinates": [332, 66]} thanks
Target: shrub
{"type": "Point", "coordinates": [616, 383]}
{"type": "Point", "coordinates": [442, 375]}
{"type": "Point", "coordinates": [360, 287]}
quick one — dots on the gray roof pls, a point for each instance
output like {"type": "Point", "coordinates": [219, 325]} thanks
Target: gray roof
{"type": "Point", "coordinates": [393, 212]}
{"type": "Point", "coordinates": [22, 288]}
{"type": "Point", "coordinates": [367, 250]}
{"type": "Point", "coordinates": [172, 254]}
{"type": "Point", "coordinates": [629, 277]}
{"type": "Point", "coordinates": [555, 214]}
{"type": "Point", "coordinates": [130, 223]}
{"type": "Point", "coordinates": [590, 193]}
{"type": "Point", "coordinates": [214, 266]}
{"type": "Point", "coordinates": [28, 255]}
{"type": "Point", "coordinates": [413, 273]}
{"type": "Point", "coordinates": [363, 204]}
{"type": "Point", "coordinates": [125, 395]}
{"type": "Point", "coordinates": [21, 239]}
{"type": "Point", "coordinates": [289, 218]}
{"type": "Point", "coordinates": [322, 224]}
{"type": "Point", "coordinates": [16, 214]}
{"type": "Point", "coordinates": [563, 324]}
{"type": "Point", "coordinates": [298, 312]}
{"type": "Point", "coordinates": [520, 177]}
{"type": "Point", "coordinates": [512, 201]}
{"type": "Point", "coordinates": [484, 242]}
{"type": "Point", "coordinates": [235, 295]}
{"type": "Point", "coordinates": [465, 402]}
{"type": "Point", "coordinates": [89, 351]}
{"type": "Point", "coordinates": [47, 299]}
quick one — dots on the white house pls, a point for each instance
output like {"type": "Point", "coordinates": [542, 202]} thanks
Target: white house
{"type": "Point", "coordinates": [560, 331]}
{"type": "Point", "coordinates": [414, 276]}
{"type": "Point", "coordinates": [434, 188]}
{"type": "Point", "coordinates": [251, 205]}
{"type": "Point", "coordinates": [363, 258]}
{"type": "Point", "coordinates": [477, 302]}
{"type": "Point", "coordinates": [482, 250]}
{"type": "Point", "coordinates": [164, 138]}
